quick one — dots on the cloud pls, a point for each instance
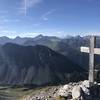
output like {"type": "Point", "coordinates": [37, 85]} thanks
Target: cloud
{"type": "Point", "coordinates": [30, 34]}
{"type": "Point", "coordinates": [46, 15]}
{"type": "Point", "coordinates": [10, 20]}
{"type": "Point", "coordinates": [8, 31]}
{"type": "Point", "coordinates": [26, 4]}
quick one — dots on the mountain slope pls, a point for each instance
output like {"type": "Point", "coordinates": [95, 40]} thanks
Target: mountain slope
{"type": "Point", "coordinates": [69, 47]}
{"type": "Point", "coordinates": [37, 65]}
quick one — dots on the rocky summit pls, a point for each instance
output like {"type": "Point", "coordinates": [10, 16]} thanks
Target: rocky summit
{"type": "Point", "coordinates": [71, 91]}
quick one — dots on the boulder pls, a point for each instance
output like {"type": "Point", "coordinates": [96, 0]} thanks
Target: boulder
{"type": "Point", "coordinates": [77, 93]}
{"type": "Point", "coordinates": [85, 87]}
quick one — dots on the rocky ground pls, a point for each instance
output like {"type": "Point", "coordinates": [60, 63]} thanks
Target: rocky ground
{"type": "Point", "coordinates": [71, 91]}
{"type": "Point", "coordinates": [47, 93]}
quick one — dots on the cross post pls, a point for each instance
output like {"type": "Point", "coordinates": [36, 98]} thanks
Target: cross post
{"type": "Point", "coordinates": [91, 59]}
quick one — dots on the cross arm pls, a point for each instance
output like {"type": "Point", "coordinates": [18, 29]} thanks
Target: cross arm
{"type": "Point", "coordinates": [86, 50]}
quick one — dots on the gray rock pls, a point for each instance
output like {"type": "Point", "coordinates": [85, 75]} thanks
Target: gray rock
{"type": "Point", "coordinates": [85, 87]}
{"type": "Point", "coordinates": [64, 91]}
{"type": "Point", "coordinates": [77, 93]}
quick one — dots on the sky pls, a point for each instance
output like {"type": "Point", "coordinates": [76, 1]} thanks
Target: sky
{"type": "Point", "coordinates": [28, 18]}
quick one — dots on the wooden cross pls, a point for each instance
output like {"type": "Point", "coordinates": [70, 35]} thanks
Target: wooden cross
{"type": "Point", "coordinates": [92, 51]}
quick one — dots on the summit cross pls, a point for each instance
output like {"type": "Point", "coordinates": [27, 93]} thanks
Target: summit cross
{"type": "Point", "coordinates": [92, 51]}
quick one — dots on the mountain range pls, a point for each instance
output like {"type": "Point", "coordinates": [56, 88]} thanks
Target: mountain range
{"type": "Point", "coordinates": [68, 46]}
{"type": "Point", "coordinates": [43, 59]}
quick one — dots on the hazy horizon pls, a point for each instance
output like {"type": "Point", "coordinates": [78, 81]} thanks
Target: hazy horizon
{"type": "Point", "coordinates": [66, 36]}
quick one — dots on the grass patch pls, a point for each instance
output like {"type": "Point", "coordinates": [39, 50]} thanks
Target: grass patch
{"type": "Point", "coordinates": [20, 92]}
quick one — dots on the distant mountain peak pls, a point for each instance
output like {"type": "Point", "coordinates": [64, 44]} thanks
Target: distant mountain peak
{"type": "Point", "coordinates": [4, 37]}
{"type": "Point", "coordinates": [18, 37]}
{"type": "Point", "coordinates": [39, 36]}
